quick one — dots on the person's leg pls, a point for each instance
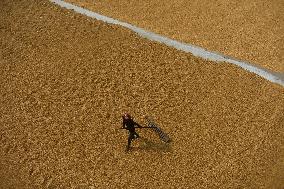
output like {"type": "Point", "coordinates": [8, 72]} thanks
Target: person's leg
{"type": "Point", "coordinates": [137, 136]}
{"type": "Point", "coordinates": [130, 137]}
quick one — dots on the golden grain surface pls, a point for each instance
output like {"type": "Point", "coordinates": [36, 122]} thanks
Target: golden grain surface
{"type": "Point", "coordinates": [65, 79]}
{"type": "Point", "coordinates": [247, 30]}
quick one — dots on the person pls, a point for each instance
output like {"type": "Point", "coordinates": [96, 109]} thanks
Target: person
{"type": "Point", "coordinates": [129, 124]}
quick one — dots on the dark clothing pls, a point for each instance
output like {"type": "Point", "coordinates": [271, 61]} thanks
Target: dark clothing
{"type": "Point", "coordinates": [131, 137]}
{"type": "Point", "coordinates": [129, 124]}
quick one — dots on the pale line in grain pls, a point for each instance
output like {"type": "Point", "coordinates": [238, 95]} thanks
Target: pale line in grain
{"type": "Point", "coordinates": [196, 51]}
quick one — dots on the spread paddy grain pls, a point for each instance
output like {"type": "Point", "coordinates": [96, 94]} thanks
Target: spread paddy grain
{"type": "Point", "coordinates": [65, 79]}
{"type": "Point", "coordinates": [248, 30]}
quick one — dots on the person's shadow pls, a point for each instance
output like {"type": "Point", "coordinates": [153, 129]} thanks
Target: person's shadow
{"type": "Point", "coordinates": [148, 145]}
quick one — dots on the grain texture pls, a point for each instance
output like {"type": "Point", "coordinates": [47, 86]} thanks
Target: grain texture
{"type": "Point", "coordinates": [65, 79]}
{"type": "Point", "coordinates": [248, 30]}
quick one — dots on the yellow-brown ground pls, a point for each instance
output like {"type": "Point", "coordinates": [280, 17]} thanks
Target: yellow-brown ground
{"type": "Point", "coordinates": [65, 79]}
{"type": "Point", "coordinates": [247, 30]}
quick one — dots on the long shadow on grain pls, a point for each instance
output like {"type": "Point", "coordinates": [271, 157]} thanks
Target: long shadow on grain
{"type": "Point", "coordinates": [149, 145]}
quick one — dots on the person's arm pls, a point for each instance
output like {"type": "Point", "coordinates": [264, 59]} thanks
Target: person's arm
{"type": "Point", "coordinates": [135, 123]}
